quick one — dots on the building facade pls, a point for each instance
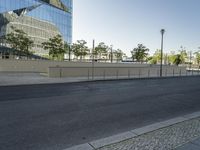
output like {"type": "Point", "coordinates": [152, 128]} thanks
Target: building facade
{"type": "Point", "coordinates": [40, 19]}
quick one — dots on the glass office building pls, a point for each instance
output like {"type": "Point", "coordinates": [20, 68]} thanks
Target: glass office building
{"type": "Point", "coordinates": [40, 19]}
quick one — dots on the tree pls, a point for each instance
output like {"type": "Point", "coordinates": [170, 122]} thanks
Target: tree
{"type": "Point", "coordinates": [100, 49]}
{"type": "Point", "coordinates": [67, 47]}
{"type": "Point", "coordinates": [183, 54]}
{"type": "Point", "coordinates": [140, 53]}
{"type": "Point", "coordinates": [152, 60]}
{"type": "Point", "coordinates": [178, 59]}
{"type": "Point", "coordinates": [80, 49]}
{"type": "Point", "coordinates": [172, 57]}
{"type": "Point", "coordinates": [55, 45]}
{"type": "Point", "coordinates": [19, 41]}
{"type": "Point", "coordinates": [156, 58]}
{"type": "Point", "coordinates": [119, 54]}
{"type": "Point", "coordinates": [197, 55]}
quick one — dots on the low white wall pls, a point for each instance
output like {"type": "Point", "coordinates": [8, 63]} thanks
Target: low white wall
{"type": "Point", "coordinates": [81, 69]}
{"type": "Point", "coordinates": [43, 65]}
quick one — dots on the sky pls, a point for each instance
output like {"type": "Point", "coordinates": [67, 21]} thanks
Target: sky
{"type": "Point", "coordinates": [127, 23]}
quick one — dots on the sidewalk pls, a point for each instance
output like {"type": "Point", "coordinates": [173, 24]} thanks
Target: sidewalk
{"type": "Point", "coordinates": [10, 78]}
{"type": "Point", "coordinates": [7, 79]}
{"type": "Point", "coordinates": [166, 135]}
{"type": "Point", "coordinates": [193, 145]}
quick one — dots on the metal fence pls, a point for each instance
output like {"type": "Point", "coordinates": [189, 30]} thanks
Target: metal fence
{"type": "Point", "coordinates": [142, 74]}
{"type": "Point", "coordinates": [105, 73]}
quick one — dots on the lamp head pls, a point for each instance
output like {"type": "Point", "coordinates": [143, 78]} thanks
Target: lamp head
{"type": "Point", "coordinates": [162, 31]}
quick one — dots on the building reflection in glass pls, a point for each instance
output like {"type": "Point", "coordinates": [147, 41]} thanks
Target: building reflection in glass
{"type": "Point", "coordinates": [40, 19]}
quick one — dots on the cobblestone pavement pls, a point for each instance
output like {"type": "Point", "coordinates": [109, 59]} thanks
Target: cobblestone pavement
{"type": "Point", "coordinates": [168, 138]}
{"type": "Point", "coordinates": [193, 145]}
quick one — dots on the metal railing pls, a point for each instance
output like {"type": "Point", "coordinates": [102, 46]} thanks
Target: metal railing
{"type": "Point", "coordinates": [106, 73]}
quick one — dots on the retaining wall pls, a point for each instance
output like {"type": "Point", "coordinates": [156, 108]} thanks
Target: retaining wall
{"type": "Point", "coordinates": [83, 69]}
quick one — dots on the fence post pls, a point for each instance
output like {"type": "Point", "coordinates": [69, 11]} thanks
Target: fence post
{"type": "Point", "coordinates": [148, 73]}
{"type": "Point", "coordinates": [93, 67]}
{"type": "Point", "coordinates": [158, 73]}
{"type": "Point", "coordinates": [104, 74]}
{"type": "Point", "coordinates": [173, 72]}
{"type": "Point", "coordinates": [139, 73]}
{"type": "Point", "coordinates": [166, 73]}
{"type": "Point", "coordinates": [117, 74]}
{"type": "Point", "coordinates": [60, 72]}
{"type": "Point", "coordinates": [180, 72]}
{"type": "Point", "coordinates": [88, 74]}
{"type": "Point", "coordinates": [129, 74]}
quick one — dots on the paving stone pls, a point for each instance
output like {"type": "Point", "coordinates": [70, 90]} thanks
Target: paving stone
{"type": "Point", "coordinates": [162, 139]}
{"type": "Point", "coordinates": [159, 136]}
{"type": "Point", "coordinates": [196, 142]}
{"type": "Point", "coordinates": [189, 146]}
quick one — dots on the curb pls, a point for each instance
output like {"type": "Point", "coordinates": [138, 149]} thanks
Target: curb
{"type": "Point", "coordinates": [133, 133]}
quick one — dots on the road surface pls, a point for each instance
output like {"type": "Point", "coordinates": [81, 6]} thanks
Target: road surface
{"type": "Point", "coordinates": [58, 116]}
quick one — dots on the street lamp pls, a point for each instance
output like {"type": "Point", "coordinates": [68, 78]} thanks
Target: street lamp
{"type": "Point", "coordinates": [190, 60]}
{"type": "Point", "coordinates": [69, 48]}
{"type": "Point", "coordinates": [162, 31]}
{"type": "Point", "coordinates": [93, 48]}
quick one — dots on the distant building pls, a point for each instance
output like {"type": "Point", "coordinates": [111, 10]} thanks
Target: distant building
{"type": "Point", "coordinates": [40, 19]}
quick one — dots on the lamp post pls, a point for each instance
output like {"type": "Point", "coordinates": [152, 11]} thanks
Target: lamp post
{"type": "Point", "coordinates": [190, 60]}
{"type": "Point", "coordinates": [93, 48]}
{"type": "Point", "coordinates": [161, 63]}
{"type": "Point", "coordinates": [69, 52]}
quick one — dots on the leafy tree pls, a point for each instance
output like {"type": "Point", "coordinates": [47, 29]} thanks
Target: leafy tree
{"type": "Point", "coordinates": [197, 57]}
{"type": "Point", "coordinates": [80, 49]}
{"type": "Point", "coordinates": [183, 54]}
{"type": "Point", "coordinates": [67, 50]}
{"type": "Point", "coordinates": [12, 39]}
{"type": "Point", "coordinates": [119, 54]}
{"type": "Point", "coordinates": [152, 60]}
{"type": "Point", "coordinates": [140, 53]}
{"type": "Point", "coordinates": [19, 41]}
{"type": "Point", "coordinates": [100, 49]}
{"type": "Point", "coordinates": [55, 45]}
{"type": "Point", "coordinates": [178, 60]}
{"type": "Point", "coordinates": [171, 57]}
{"type": "Point", "coordinates": [66, 47]}
{"type": "Point", "coordinates": [156, 58]}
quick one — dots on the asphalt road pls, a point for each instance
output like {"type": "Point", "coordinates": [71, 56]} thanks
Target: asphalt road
{"type": "Point", "coordinates": [57, 116]}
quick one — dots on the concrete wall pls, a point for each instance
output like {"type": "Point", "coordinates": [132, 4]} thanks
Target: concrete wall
{"type": "Point", "coordinates": [115, 71]}
{"type": "Point", "coordinates": [35, 65]}
{"type": "Point", "coordinates": [80, 69]}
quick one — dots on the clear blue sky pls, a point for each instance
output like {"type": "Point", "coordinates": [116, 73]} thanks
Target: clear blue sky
{"type": "Point", "coordinates": [126, 23]}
